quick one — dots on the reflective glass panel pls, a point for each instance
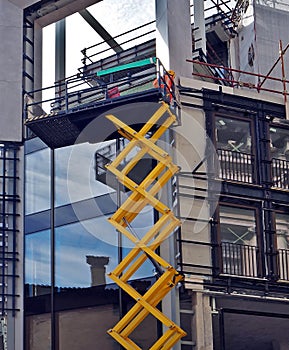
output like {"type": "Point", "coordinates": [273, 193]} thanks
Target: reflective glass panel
{"type": "Point", "coordinates": [233, 135]}
{"type": "Point", "coordinates": [83, 253]}
{"type": "Point", "coordinates": [234, 148]}
{"type": "Point", "coordinates": [238, 241]}
{"type": "Point", "coordinates": [282, 230]}
{"type": "Point", "coordinates": [279, 146]}
{"type": "Point", "coordinates": [75, 169]}
{"type": "Point", "coordinates": [94, 321]}
{"type": "Point", "coordinates": [38, 263]}
{"type": "Point", "coordinates": [37, 181]}
{"type": "Point", "coordinates": [282, 233]}
{"type": "Point", "coordinates": [38, 330]}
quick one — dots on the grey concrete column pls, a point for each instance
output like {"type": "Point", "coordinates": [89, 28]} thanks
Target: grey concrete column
{"type": "Point", "coordinates": [199, 26]}
{"type": "Point", "coordinates": [37, 56]}
{"type": "Point", "coordinates": [60, 54]}
{"type": "Point", "coordinates": [202, 325]}
{"type": "Point", "coordinates": [174, 35]}
{"type": "Point", "coordinates": [10, 72]}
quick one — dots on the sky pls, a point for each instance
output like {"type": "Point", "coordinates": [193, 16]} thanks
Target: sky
{"type": "Point", "coordinates": [115, 16]}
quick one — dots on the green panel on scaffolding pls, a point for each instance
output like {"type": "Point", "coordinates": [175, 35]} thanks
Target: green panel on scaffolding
{"type": "Point", "coordinates": [135, 64]}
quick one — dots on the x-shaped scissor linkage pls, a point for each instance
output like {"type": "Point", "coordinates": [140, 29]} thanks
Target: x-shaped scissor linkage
{"type": "Point", "coordinates": [144, 194]}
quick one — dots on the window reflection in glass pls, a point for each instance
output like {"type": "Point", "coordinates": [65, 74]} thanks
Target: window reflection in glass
{"type": "Point", "coordinates": [237, 225]}
{"type": "Point", "coordinates": [82, 257]}
{"type": "Point", "coordinates": [234, 149]}
{"type": "Point", "coordinates": [279, 146]}
{"type": "Point", "coordinates": [76, 173]}
{"type": "Point", "coordinates": [37, 181]}
{"type": "Point", "coordinates": [138, 228]}
{"type": "Point", "coordinates": [238, 241]}
{"type": "Point", "coordinates": [38, 330]}
{"type": "Point", "coordinates": [279, 143]}
{"type": "Point", "coordinates": [282, 231]}
{"type": "Point", "coordinates": [233, 135]}
{"type": "Point", "coordinates": [86, 251]}
{"type": "Point", "coordinates": [94, 320]}
{"type": "Point", "coordinates": [37, 262]}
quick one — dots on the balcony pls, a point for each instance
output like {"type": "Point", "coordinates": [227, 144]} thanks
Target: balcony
{"type": "Point", "coordinates": [239, 260]}
{"type": "Point", "coordinates": [280, 173]}
{"type": "Point", "coordinates": [283, 264]}
{"type": "Point", "coordinates": [236, 166]}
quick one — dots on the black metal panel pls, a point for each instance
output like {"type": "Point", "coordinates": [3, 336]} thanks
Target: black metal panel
{"type": "Point", "coordinates": [244, 103]}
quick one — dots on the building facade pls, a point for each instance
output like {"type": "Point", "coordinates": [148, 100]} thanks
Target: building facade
{"type": "Point", "coordinates": [230, 141]}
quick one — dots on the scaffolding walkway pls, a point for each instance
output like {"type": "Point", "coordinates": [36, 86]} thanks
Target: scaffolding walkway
{"type": "Point", "coordinates": [80, 99]}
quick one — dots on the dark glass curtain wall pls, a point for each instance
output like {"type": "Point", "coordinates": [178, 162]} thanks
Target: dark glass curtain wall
{"type": "Point", "coordinates": [70, 302]}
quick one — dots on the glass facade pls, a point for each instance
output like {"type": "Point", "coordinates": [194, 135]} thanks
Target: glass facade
{"type": "Point", "coordinates": [69, 248]}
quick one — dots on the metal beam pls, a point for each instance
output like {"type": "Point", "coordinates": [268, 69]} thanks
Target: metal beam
{"type": "Point", "coordinates": [100, 30]}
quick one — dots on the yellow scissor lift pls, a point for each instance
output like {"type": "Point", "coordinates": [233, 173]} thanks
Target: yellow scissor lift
{"type": "Point", "coordinates": [143, 143]}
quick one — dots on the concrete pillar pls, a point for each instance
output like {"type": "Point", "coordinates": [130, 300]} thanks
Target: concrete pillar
{"type": "Point", "coordinates": [199, 26]}
{"type": "Point", "coordinates": [174, 35]}
{"type": "Point", "coordinates": [97, 269]}
{"type": "Point", "coordinates": [60, 50]}
{"type": "Point", "coordinates": [10, 72]}
{"type": "Point", "coordinates": [202, 325]}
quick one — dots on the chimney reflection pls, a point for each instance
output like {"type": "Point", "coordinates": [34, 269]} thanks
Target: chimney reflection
{"type": "Point", "coordinates": [97, 269]}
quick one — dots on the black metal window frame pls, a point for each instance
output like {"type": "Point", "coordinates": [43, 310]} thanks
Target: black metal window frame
{"type": "Point", "coordinates": [237, 166]}
{"type": "Point", "coordinates": [279, 167]}
{"type": "Point", "coordinates": [243, 260]}
{"type": "Point", "coordinates": [281, 254]}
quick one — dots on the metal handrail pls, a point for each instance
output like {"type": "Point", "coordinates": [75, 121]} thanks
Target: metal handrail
{"type": "Point", "coordinates": [238, 83]}
{"type": "Point", "coordinates": [236, 166]}
{"type": "Point", "coordinates": [239, 259]}
{"type": "Point", "coordinates": [280, 173]}
{"type": "Point", "coordinates": [89, 57]}
{"type": "Point", "coordinates": [283, 264]}
{"type": "Point", "coordinates": [74, 93]}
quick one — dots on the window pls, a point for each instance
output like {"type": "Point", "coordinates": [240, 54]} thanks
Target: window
{"type": "Point", "coordinates": [234, 147]}
{"type": "Point", "coordinates": [75, 173]}
{"type": "Point", "coordinates": [38, 263]}
{"type": "Point", "coordinates": [37, 184]}
{"type": "Point", "coordinates": [282, 234]}
{"type": "Point", "coordinates": [279, 146]}
{"type": "Point", "coordinates": [238, 241]}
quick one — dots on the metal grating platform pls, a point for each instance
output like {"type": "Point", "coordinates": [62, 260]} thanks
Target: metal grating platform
{"type": "Point", "coordinates": [73, 126]}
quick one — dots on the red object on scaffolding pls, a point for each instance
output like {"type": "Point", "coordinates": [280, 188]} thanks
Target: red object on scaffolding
{"type": "Point", "coordinates": [114, 92]}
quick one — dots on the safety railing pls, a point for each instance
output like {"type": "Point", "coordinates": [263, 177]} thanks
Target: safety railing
{"type": "Point", "coordinates": [236, 166]}
{"type": "Point", "coordinates": [283, 264]}
{"type": "Point", "coordinates": [127, 39]}
{"type": "Point", "coordinates": [216, 10]}
{"type": "Point", "coordinates": [280, 173]}
{"type": "Point", "coordinates": [80, 91]}
{"type": "Point", "coordinates": [243, 79]}
{"type": "Point", "coordinates": [100, 164]}
{"type": "Point", "coordinates": [239, 259]}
